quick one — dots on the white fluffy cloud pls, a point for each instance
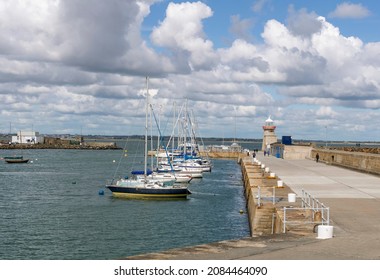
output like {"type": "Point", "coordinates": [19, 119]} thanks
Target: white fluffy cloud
{"type": "Point", "coordinates": [182, 31]}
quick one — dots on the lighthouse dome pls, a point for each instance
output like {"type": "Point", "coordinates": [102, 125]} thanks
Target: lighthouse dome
{"type": "Point", "coordinates": [269, 121]}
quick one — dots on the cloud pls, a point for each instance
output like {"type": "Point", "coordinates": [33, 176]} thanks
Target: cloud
{"type": "Point", "coordinates": [94, 33]}
{"type": "Point", "coordinates": [326, 112]}
{"type": "Point", "coordinates": [27, 28]}
{"type": "Point", "coordinates": [106, 37]}
{"type": "Point", "coordinates": [182, 32]}
{"type": "Point", "coordinates": [349, 10]}
{"type": "Point", "coordinates": [96, 36]}
{"type": "Point", "coordinates": [330, 65]}
{"type": "Point", "coordinates": [243, 57]}
{"type": "Point", "coordinates": [303, 23]}
{"type": "Point", "coordinates": [258, 5]}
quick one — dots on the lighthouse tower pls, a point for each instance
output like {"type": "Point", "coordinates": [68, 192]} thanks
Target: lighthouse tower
{"type": "Point", "coordinates": [269, 134]}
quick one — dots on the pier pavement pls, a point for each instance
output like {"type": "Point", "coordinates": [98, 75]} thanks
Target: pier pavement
{"type": "Point", "coordinates": [354, 201]}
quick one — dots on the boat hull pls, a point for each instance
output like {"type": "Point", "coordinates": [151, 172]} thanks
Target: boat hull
{"type": "Point", "coordinates": [148, 193]}
{"type": "Point", "coordinates": [17, 160]}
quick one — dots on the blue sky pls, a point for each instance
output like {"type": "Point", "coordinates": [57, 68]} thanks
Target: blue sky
{"type": "Point", "coordinates": [217, 27]}
{"type": "Point", "coordinates": [71, 66]}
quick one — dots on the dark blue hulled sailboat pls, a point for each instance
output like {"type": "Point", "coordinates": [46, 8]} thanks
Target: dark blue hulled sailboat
{"type": "Point", "coordinates": [149, 191]}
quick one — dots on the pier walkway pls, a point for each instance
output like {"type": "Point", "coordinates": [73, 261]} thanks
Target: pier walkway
{"type": "Point", "coordinates": [354, 201]}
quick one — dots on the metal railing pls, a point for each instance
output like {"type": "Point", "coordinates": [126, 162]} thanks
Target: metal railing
{"type": "Point", "coordinates": [259, 198]}
{"type": "Point", "coordinates": [309, 203]}
{"type": "Point", "coordinates": [287, 221]}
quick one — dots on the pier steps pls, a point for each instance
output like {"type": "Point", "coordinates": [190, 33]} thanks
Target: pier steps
{"type": "Point", "coordinates": [263, 223]}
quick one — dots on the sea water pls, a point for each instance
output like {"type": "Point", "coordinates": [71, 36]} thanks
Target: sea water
{"type": "Point", "coordinates": [50, 208]}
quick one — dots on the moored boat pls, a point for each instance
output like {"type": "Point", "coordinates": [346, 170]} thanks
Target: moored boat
{"type": "Point", "coordinates": [149, 191]}
{"type": "Point", "coordinates": [16, 159]}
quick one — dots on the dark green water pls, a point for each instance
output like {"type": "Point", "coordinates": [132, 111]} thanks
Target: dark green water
{"type": "Point", "coordinates": [51, 209]}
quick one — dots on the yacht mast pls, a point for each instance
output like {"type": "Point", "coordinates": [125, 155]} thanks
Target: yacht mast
{"type": "Point", "coordinates": [146, 130]}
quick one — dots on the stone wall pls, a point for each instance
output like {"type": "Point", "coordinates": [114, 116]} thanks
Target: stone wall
{"type": "Point", "coordinates": [260, 213]}
{"type": "Point", "coordinates": [56, 141]}
{"type": "Point", "coordinates": [221, 154]}
{"type": "Point", "coordinates": [99, 144]}
{"type": "Point", "coordinates": [290, 151]}
{"type": "Point", "coordinates": [297, 152]}
{"type": "Point", "coordinates": [366, 162]}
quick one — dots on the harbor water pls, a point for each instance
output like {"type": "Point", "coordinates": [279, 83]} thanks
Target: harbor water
{"type": "Point", "coordinates": [51, 208]}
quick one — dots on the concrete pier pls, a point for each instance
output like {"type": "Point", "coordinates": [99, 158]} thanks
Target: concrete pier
{"type": "Point", "coordinates": [354, 202]}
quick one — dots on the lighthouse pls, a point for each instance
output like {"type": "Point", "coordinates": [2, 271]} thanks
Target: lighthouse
{"type": "Point", "coordinates": [269, 134]}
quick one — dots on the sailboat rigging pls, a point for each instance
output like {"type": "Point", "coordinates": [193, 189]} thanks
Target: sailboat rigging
{"type": "Point", "coordinates": [145, 187]}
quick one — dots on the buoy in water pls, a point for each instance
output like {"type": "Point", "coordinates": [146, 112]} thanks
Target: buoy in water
{"type": "Point", "coordinates": [101, 192]}
{"type": "Point", "coordinates": [114, 161]}
{"type": "Point", "coordinates": [241, 211]}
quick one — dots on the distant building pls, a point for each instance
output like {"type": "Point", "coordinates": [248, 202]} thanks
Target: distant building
{"type": "Point", "coordinates": [27, 137]}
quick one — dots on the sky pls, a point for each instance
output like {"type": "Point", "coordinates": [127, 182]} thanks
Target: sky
{"type": "Point", "coordinates": [80, 67]}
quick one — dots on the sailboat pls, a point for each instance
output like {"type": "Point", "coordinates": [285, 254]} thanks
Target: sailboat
{"type": "Point", "coordinates": [185, 157]}
{"type": "Point", "coordinates": [145, 188]}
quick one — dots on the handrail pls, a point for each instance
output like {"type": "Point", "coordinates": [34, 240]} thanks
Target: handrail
{"type": "Point", "coordinates": [285, 209]}
{"type": "Point", "coordinates": [309, 202]}
{"type": "Point", "coordinates": [258, 196]}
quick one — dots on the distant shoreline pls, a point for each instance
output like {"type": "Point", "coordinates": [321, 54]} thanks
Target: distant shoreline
{"type": "Point", "coordinates": [6, 137]}
{"type": "Point", "coordinates": [56, 147]}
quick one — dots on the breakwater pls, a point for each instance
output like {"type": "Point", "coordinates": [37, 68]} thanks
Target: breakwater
{"type": "Point", "coordinates": [220, 154]}
{"type": "Point", "coordinates": [361, 161]}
